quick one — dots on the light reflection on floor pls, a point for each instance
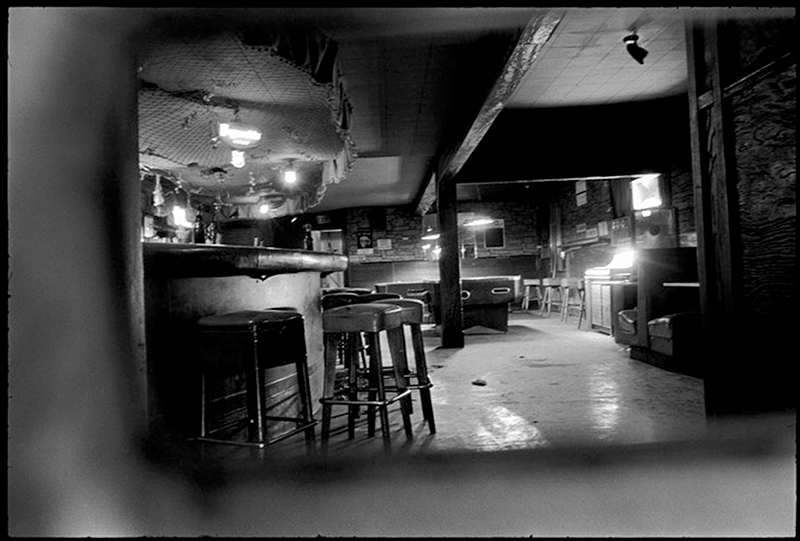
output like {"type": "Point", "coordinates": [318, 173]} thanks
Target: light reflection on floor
{"type": "Point", "coordinates": [548, 384]}
{"type": "Point", "coordinates": [502, 429]}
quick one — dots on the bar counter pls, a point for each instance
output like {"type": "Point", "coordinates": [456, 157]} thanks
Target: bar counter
{"type": "Point", "coordinates": [185, 282]}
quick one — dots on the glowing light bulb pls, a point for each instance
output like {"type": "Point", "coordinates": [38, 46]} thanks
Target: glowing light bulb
{"type": "Point", "coordinates": [290, 176]}
{"type": "Point", "coordinates": [237, 158]}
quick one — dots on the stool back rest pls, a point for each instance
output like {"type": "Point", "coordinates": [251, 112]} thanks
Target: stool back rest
{"type": "Point", "coordinates": [369, 317]}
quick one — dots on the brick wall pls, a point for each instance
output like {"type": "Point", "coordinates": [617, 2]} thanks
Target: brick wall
{"type": "Point", "coordinates": [576, 220]}
{"type": "Point", "coordinates": [403, 227]}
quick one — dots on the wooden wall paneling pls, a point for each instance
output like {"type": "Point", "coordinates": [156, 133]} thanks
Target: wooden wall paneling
{"type": "Point", "coordinates": [746, 260]}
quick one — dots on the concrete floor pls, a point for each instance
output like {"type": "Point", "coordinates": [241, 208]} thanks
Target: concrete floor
{"type": "Point", "coordinates": [548, 384]}
{"type": "Point", "coordinates": [569, 437]}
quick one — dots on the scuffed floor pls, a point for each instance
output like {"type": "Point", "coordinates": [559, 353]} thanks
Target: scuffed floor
{"type": "Point", "coordinates": [547, 384]}
{"type": "Point", "coordinates": [568, 437]}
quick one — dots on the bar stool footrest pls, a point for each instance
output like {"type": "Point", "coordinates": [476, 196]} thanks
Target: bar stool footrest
{"type": "Point", "coordinates": [346, 402]}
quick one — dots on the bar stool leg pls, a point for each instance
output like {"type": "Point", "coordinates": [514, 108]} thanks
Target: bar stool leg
{"type": "Point", "coordinates": [582, 310]}
{"type": "Point", "coordinates": [351, 358]}
{"type": "Point", "coordinates": [375, 372]}
{"type": "Point", "coordinates": [527, 294]}
{"type": "Point", "coordinates": [397, 349]}
{"type": "Point", "coordinates": [545, 301]}
{"type": "Point", "coordinates": [254, 382]}
{"type": "Point", "coordinates": [306, 409]}
{"type": "Point", "coordinates": [422, 377]}
{"type": "Point", "coordinates": [331, 350]}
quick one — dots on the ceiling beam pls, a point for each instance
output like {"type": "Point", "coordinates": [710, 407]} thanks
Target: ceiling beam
{"type": "Point", "coordinates": [448, 163]}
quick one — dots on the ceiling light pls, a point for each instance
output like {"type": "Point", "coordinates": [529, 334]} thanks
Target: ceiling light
{"type": "Point", "coordinates": [290, 175]}
{"type": "Point", "coordinates": [263, 208]}
{"type": "Point", "coordinates": [478, 221]}
{"type": "Point", "coordinates": [237, 158]}
{"type": "Point", "coordinates": [635, 51]}
{"type": "Point", "coordinates": [239, 135]}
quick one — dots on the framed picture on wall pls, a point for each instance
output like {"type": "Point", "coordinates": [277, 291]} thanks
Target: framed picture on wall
{"type": "Point", "coordinates": [364, 239]}
{"type": "Point", "coordinates": [494, 236]}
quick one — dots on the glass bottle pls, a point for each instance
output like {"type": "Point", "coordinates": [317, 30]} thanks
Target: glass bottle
{"type": "Point", "coordinates": [199, 229]}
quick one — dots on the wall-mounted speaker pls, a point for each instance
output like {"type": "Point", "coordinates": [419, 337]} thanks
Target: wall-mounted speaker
{"type": "Point", "coordinates": [655, 228]}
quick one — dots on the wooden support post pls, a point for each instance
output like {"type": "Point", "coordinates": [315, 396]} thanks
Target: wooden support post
{"type": "Point", "coordinates": [744, 336]}
{"type": "Point", "coordinates": [714, 215]}
{"type": "Point", "coordinates": [449, 265]}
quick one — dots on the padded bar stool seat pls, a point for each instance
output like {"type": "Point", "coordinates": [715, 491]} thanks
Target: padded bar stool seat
{"type": "Point", "coordinates": [244, 342]}
{"type": "Point", "coordinates": [333, 300]}
{"type": "Point", "coordinates": [356, 290]}
{"type": "Point", "coordinates": [412, 315]}
{"type": "Point", "coordinates": [370, 320]}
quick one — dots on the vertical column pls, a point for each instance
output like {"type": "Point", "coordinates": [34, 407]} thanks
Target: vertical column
{"type": "Point", "coordinates": [449, 264]}
{"type": "Point", "coordinates": [736, 177]}
{"type": "Point", "coordinates": [714, 216]}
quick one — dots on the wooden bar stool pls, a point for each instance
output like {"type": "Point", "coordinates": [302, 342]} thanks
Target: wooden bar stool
{"type": "Point", "coordinates": [413, 313]}
{"type": "Point", "coordinates": [574, 299]}
{"type": "Point", "coordinates": [244, 343]}
{"type": "Point", "coordinates": [552, 295]}
{"type": "Point", "coordinates": [532, 292]}
{"type": "Point", "coordinates": [370, 320]}
{"type": "Point", "coordinates": [569, 288]}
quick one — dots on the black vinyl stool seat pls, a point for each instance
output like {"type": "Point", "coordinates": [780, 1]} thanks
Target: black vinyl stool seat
{"type": "Point", "coordinates": [413, 313]}
{"type": "Point", "coordinates": [249, 342]}
{"type": "Point", "coordinates": [339, 298]}
{"type": "Point", "coordinates": [347, 323]}
{"type": "Point", "coordinates": [355, 290]}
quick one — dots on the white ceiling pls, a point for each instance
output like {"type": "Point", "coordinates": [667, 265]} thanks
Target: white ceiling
{"type": "Point", "coordinates": [401, 81]}
{"type": "Point", "coordinates": [415, 73]}
{"type": "Point", "coordinates": [585, 61]}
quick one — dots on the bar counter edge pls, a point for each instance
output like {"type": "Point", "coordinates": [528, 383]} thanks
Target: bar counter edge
{"type": "Point", "coordinates": [185, 282]}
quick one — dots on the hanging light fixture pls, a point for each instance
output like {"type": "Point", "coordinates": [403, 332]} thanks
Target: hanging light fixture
{"type": "Point", "coordinates": [290, 174]}
{"type": "Point", "coordinates": [237, 158]}
{"type": "Point", "coordinates": [238, 135]}
{"type": "Point", "coordinates": [634, 50]}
